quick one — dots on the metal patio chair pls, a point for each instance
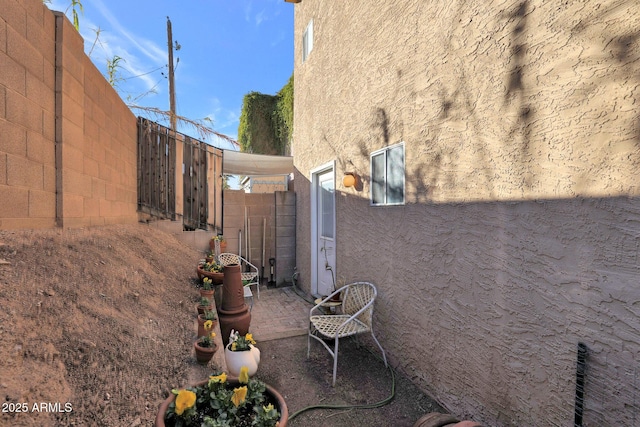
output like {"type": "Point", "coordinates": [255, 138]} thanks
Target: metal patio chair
{"type": "Point", "coordinates": [249, 273]}
{"type": "Point", "coordinates": [356, 317]}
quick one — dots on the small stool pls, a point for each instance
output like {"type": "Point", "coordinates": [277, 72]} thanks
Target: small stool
{"type": "Point", "coordinates": [328, 307]}
{"type": "Point", "coordinates": [248, 294]}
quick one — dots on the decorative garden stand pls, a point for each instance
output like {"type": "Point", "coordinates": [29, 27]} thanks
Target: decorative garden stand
{"type": "Point", "coordinates": [233, 312]}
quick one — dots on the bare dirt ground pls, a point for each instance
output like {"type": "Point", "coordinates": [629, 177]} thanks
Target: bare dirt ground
{"type": "Point", "coordinates": [97, 325]}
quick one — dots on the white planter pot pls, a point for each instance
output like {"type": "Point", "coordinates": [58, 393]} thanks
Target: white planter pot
{"type": "Point", "coordinates": [237, 359]}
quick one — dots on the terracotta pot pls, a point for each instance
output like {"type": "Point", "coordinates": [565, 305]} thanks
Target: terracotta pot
{"type": "Point", "coordinates": [202, 308]}
{"type": "Point", "coordinates": [207, 293]}
{"type": "Point", "coordinates": [216, 278]}
{"type": "Point", "coordinates": [204, 354]}
{"type": "Point", "coordinates": [201, 320]}
{"type": "Point", "coordinates": [336, 298]}
{"type": "Point", "coordinates": [212, 246]}
{"type": "Point", "coordinates": [237, 359]}
{"type": "Point", "coordinates": [435, 419]}
{"type": "Point", "coordinates": [273, 394]}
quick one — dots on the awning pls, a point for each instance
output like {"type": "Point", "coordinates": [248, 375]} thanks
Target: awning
{"type": "Point", "coordinates": [236, 163]}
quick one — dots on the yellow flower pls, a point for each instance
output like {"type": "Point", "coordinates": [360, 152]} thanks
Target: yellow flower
{"type": "Point", "coordinates": [222, 378]}
{"type": "Point", "coordinates": [249, 338]}
{"type": "Point", "coordinates": [184, 400]}
{"type": "Point", "coordinates": [268, 408]}
{"type": "Point", "coordinates": [207, 325]}
{"type": "Point", "coordinates": [244, 375]}
{"type": "Point", "coordinates": [239, 395]}
{"type": "Point", "coordinates": [233, 346]}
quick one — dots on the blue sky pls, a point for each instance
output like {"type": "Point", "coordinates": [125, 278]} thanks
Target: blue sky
{"type": "Point", "coordinates": [228, 48]}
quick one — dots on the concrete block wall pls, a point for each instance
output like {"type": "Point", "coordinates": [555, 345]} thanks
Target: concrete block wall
{"type": "Point", "coordinates": [67, 140]}
{"type": "Point", "coordinates": [97, 141]}
{"type": "Point", "coordinates": [285, 231]}
{"type": "Point", "coordinates": [27, 115]}
{"type": "Point", "coordinates": [520, 234]}
{"type": "Point", "coordinates": [272, 218]}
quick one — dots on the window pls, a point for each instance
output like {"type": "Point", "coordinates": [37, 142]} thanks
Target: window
{"type": "Point", "coordinates": [307, 41]}
{"type": "Point", "coordinates": [326, 203]}
{"type": "Point", "coordinates": [387, 176]}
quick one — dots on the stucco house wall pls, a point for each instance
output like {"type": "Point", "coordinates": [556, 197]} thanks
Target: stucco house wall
{"type": "Point", "coordinates": [520, 233]}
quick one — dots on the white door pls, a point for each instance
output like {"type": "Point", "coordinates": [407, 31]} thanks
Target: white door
{"type": "Point", "coordinates": [323, 231]}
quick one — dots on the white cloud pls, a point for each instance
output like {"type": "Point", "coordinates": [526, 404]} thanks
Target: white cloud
{"type": "Point", "coordinates": [225, 120]}
{"type": "Point", "coordinates": [147, 47]}
{"type": "Point", "coordinates": [247, 11]}
{"type": "Point", "coordinates": [139, 55]}
{"type": "Point", "coordinates": [260, 17]}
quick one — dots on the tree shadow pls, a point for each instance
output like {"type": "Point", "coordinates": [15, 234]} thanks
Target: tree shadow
{"type": "Point", "coordinates": [515, 93]}
{"type": "Point", "coordinates": [621, 48]}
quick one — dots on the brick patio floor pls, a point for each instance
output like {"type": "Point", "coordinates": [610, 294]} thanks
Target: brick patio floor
{"type": "Point", "coordinates": [279, 313]}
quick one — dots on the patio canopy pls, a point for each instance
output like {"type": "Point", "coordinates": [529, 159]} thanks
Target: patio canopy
{"type": "Point", "coordinates": [236, 163]}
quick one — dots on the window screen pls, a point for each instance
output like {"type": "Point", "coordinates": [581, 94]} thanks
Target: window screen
{"type": "Point", "coordinates": [387, 176]}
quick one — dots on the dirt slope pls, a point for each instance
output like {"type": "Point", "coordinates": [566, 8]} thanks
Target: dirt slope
{"type": "Point", "coordinates": [95, 323]}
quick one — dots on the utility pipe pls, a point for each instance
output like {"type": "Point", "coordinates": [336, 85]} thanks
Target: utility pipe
{"type": "Point", "coordinates": [264, 239]}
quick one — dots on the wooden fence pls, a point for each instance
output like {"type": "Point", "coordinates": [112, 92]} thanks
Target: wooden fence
{"type": "Point", "coordinates": [179, 176]}
{"type": "Point", "coordinates": [156, 170]}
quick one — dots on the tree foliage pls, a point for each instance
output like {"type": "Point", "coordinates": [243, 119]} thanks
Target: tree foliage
{"type": "Point", "coordinates": [266, 122]}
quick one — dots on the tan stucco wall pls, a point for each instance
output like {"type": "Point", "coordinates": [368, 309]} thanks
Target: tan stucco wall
{"type": "Point", "coordinates": [90, 177]}
{"type": "Point", "coordinates": [520, 235]}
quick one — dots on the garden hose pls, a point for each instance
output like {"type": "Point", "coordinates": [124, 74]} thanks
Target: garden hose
{"type": "Point", "coordinates": [365, 406]}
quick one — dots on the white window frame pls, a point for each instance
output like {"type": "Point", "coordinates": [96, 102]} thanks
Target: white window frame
{"type": "Point", "coordinates": [307, 41]}
{"type": "Point", "coordinates": [384, 152]}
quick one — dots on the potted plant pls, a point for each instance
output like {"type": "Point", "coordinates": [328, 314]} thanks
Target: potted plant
{"type": "Point", "coordinates": [207, 288]}
{"type": "Point", "coordinates": [217, 241]}
{"type": "Point", "coordinates": [241, 352]}
{"type": "Point", "coordinates": [224, 401]}
{"type": "Point", "coordinates": [204, 304]}
{"type": "Point", "coordinates": [208, 315]}
{"type": "Point", "coordinates": [204, 346]}
{"type": "Point", "coordinates": [212, 270]}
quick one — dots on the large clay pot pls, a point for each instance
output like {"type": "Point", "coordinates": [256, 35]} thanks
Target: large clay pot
{"type": "Point", "coordinates": [435, 419]}
{"type": "Point", "coordinates": [237, 359]}
{"type": "Point", "coordinates": [233, 313]}
{"type": "Point", "coordinates": [273, 394]}
{"type": "Point", "coordinates": [216, 278]}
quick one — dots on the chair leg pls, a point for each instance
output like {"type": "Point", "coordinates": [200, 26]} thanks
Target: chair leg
{"type": "Point", "coordinates": [335, 360]}
{"type": "Point", "coordinates": [384, 355]}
